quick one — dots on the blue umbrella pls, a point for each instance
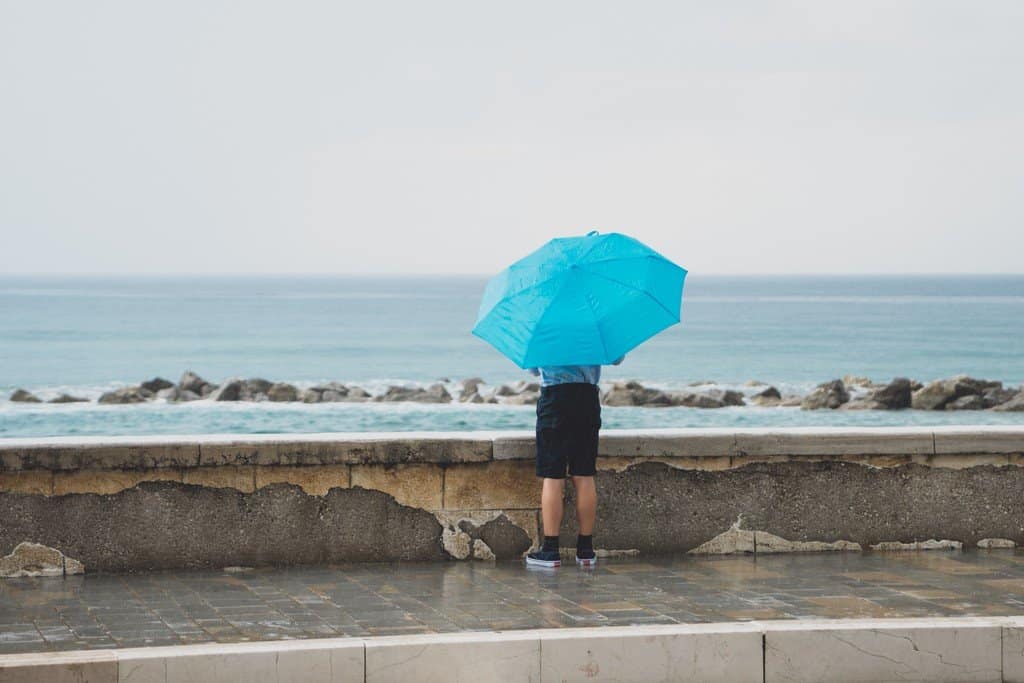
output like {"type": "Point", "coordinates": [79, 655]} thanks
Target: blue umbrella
{"type": "Point", "coordinates": [580, 301]}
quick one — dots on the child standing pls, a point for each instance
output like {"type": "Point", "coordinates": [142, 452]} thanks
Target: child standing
{"type": "Point", "coordinates": [568, 421]}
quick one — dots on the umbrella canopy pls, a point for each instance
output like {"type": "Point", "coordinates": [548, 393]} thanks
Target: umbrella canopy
{"type": "Point", "coordinates": [580, 301]}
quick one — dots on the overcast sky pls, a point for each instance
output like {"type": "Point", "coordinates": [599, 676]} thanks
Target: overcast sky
{"type": "Point", "coordinates": [343, 137]}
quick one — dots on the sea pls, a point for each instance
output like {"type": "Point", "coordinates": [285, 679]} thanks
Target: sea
{"type": "Point", "coordinates": [88, 335]}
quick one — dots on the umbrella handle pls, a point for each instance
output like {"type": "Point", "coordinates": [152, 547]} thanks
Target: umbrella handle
{"type": "Point", "coordinates": [592, 233]}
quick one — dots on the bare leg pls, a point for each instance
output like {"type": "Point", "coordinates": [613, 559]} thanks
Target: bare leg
{"type": "Point", "coordinates": [551, 495]}
{"type": "Point", "coordinates": [586, 504]}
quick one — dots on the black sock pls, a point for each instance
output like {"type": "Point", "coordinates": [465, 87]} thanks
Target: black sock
{"type": "Point", "coordinates": [585, 543]}
{"type": "Point", "coordinates": [550, 543]}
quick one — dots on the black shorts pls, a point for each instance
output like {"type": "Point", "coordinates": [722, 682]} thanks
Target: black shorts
{"type": "Point", "coordinates": [568, 419]}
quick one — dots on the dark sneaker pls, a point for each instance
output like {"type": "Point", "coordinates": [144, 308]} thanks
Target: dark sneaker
{"type": "Point", "coordinates": [586, 558]}
{"type": "Point", "coordinates": [544, 558]}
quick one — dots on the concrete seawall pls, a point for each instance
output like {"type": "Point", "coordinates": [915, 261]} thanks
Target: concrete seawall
{"type": "Point", "coordinates": [122, 504]}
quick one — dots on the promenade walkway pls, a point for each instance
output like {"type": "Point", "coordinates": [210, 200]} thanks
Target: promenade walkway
{"type": "Point", "coordinates": [366, 600]}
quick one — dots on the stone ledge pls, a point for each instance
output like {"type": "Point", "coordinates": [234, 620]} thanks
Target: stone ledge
{"type": "Point", "coordinates": [445, 448]}
{"type": "Point", "coordinates": [939, 649]}
{"type": "Point", "coordinates": [962, 440]}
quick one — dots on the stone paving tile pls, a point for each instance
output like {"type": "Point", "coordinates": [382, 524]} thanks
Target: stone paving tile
{"type": "Point", "coordinates": [169, 608]}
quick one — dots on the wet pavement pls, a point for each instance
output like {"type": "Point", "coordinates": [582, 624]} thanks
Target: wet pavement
{"type": "Point", "coordinates": [178, 607]}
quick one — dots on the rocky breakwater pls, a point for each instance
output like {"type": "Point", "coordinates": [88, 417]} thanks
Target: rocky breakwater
{"type": "Point", "coordinates": [635, 394]}
{"type": "Point", "coordinates": [849, 393]}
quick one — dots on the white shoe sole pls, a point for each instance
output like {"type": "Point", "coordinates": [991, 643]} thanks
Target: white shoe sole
{"type": "Point", "coordinates": [543, 563]}
{"type": "Point", "coordinates": [586, 563]}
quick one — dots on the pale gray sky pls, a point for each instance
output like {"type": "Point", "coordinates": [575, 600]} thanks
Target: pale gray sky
{"type": "Point", "coordinates": [331, 137]}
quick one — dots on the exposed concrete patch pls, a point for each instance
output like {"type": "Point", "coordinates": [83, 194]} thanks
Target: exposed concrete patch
{"type": "Point", "coordinates": [964, 461]}
{"type": "Point", "coordinates": [482, 551]}
{"type": "Point", "coordinates": [506, 534]}
{"type": "Point", "coordinates": [765, 542]}
{"type": "Point", "coordinates": [158, 525]}
{"type": "Point", "coordinates": [739, 541]}
{"type": "Point", "coordinates": [35, 559]}
{"type": "Point", "coordinates": [930, 544]}
{"type": "Point", "coordinates": [805, 501]}
{"type": "Point", "coordinates": [731, 542]}
{"type": "Point", "coordinates": [456, 543]}
{"type": "Point", "coordinates": [996, 543]}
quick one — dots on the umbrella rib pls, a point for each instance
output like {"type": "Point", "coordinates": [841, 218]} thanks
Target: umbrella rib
{"type": "Point", "coordinates": [635, 289]}
{"type": "Point", "coordinates": [597, 324]}
{"type": "Point", "coordinates": [562, 251]}
{"type": "Point", "coordinates": [544, 315]}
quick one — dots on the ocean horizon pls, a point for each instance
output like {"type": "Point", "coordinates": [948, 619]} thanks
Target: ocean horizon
{"type": "Point", "coordinates": [84, 335]}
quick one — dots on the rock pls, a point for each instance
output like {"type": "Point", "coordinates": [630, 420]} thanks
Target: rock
{"type": "Point", "coordinates": [754, 383]}
{"type": "Point", "coordinates": [997, 396]}
{"type": "Point", "coordinates": [22, 396]}
{"type": "Point", "coordinates": [862, 404]}
{"type": "Point", "coordinates": [727, 397]}
{"type": "Point", "coordinates": [700, 383]}
{"type": "Point", "coordinates": [436, 393]}
{"type": "Point", "coordinates": [357, 395]}
{"type": "Point", "coordinates": [445, 380]}
{"type": "Point", "coordinates": [332, 396]}
{"type": "Point", "coordinates": [309, 396]}
{"type": "Point", "coordinates": [523, 386]}
{"type": "Point", "coordinates": [936, 395]}
{"type": "Point", "coordinates": [229, 390]}
{"type": "Point", "coordinates": [893, 396]}
{"type": "Point", "coordinates": [67, 398]}
{"type": "Point", "coordinates": [526, 398]}
{"type": "Point", "coordinates": [280, 392]}
{"type": "Point", "coordinates": [254, 389]}
{"type": "Point", "coordinates": [829, 395]}
{"type": "Point", "coordinates": [767, 397]}
{"type": "Point", "coordinates": [969, 402]}
{"type": "Point", "coordinates": [177, 394]}
{"type": "Point", "coordinates": [190, 381]}
{"type": "Point", "coordinates": [996, 543]}
{"type": "Point", "coordinates": [856, 381]}
{"type": "Point", "coordinates": [34, 559]}
{"type": "Point", "coordinates": [156, 384]}
{"type": "Point", "coordinates": [472, 398]}
{"type": "Point", "coordinates": [336, 387]}
{"type": "Point", "coordinates": [126, 395]}
{"type": "Point", "coordinates": [915, 385]}
{"type": "Point", "coordinates": [505, 390]}
{"type": "Point", "coordinates": [696, 401]}
{"type": "Point", "coordinates": [635, 394]}
{"type": "Point", "coordinates": [470, 388]}
{"type": "Point", "coordinates": [791, 402]}
{"type": "Point", "coordinates": [1014, 405]}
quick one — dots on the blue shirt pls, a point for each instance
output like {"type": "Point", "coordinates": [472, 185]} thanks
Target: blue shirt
{"type": "Point", "coordinates": [568, 374]}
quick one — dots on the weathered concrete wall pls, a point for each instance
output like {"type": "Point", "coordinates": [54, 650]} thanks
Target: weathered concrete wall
{"type": "Point", "coordinates": [119, 504]}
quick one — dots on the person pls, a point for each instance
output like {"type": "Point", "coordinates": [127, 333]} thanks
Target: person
{"type": "Point", "coordinates": [568, 421]}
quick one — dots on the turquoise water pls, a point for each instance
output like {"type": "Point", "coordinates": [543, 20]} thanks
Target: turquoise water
{"type": "Point", "coordinates": [87, 335]}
